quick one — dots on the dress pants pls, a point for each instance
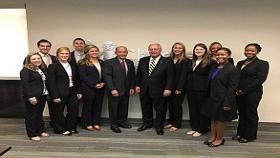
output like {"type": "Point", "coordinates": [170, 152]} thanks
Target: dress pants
{"type": "Point", "coordinates": [198, 122]}
{"type": "Point", "coordinates": [92, 99]}
{"type": "Point", "coordinates": [34, 116]}
{"type": "Point", "coordinates": [68, 123]}
{"type": "Point", "coordinates": [247, 106]}
{"type": "Point", "coordinates": [159, 104]}
{"type": "Point", "coordinates": [174, 103]}
{"type": "Point", "coordinates": [118, 109]}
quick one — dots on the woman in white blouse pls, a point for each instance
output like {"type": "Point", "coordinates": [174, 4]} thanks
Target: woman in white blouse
{"type": "Point", "coordinates": [92, 84]}
{"type": "Point", "coordinates": [64, 91]}
{"type": "Point", "coordinates": [33, 81]}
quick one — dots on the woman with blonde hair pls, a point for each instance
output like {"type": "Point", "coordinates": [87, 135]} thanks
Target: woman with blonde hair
{"type": "Point", "coordinates": [64, 91]}
{"type": "Point", "coordinates": [174, 102]}
{"type": "Point", "coordinates": [33, 80]}
{"type": "Point", "coordinates": [92, 84]}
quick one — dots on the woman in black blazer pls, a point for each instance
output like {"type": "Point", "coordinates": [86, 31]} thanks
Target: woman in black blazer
{"type": "Point", "coordinates": [174, 102]}
{"type": "Point", "coordinates": [197, 89]}
{"type": "Point", "coordinates": [214, 46]}
{"type": "Point", "coordinates": [63, 85]}
{"type": "Point", "coordinates": [90, 70]}
{"type": "Point", "coordinates": [221, 103]}
{"type": "Point", "coordinates": [33, 80]}
{"type": "Point", "coordinates": [253, 74]}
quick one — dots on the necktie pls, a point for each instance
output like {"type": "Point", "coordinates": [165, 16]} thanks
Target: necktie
{"type": "Point", "coordinates": [152, 66]}
{"type": "Point", "coordinates": [123, 65]}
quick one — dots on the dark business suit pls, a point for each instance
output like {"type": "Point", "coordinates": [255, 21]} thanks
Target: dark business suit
{"type": "Point", "coordinates": [223, 84]}
{"type": "Point", "coordinates": [252, 77]}
{"type": "Point", "coordinates": [197, 92]}
{"type": "Point", "coordinates": [92, 97]}
{"type": "Point", "coordinates": [58, 81]}
{"type": "Point", "coordinates": [33, 86]}
{"type": "Point", "coordinates": [44, 68]}
{"type": "Point", "coordinates": [175, 101]}
{"type": "Point", "coordinates": [152, 87]}
{"type": "Point", "coordinates": [116, 78]}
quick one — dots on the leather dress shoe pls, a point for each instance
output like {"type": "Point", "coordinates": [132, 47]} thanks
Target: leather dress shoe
{"type": "Point", "coordinates": [74, 132]}
{"type": "Point", "coordinates": [116, 129]}
{"type": "Point", "coordinates": [207, 142]}
{"type": "Point", "coordinates": [125, 125]}
{"type": "Point", "coordinates": [237, 137]}
{"type": "Point", "coordinates": [243, 140]}
{"type": "Point", "coordinates": [159, 131]}
{"type": "Point", "coordinates": [144, 127]}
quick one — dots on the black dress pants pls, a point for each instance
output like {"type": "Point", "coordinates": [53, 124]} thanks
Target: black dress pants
{"type": "Point", "coordinates": [92, 99]}
{"type": "Point", "coordinates": [68, 123]}
{"type": "Point", "coordinates": [247, 106]}
{"type": "Point", "coordinates": [118, 109]}
{"type": "Point", "coordinates": [198, 122]}
{"type": "Point", "coordinates": [174, 103]}
{"type": "Point", "coordinates": [34, 122]}
{"type": "Point", "coordinates": [149, 102]}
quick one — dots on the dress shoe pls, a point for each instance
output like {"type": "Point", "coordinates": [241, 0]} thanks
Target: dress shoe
{"type": "Point", "coordinates": [237, 137]}
{"type": "Point", "coordinates": [243, 140]}
{"type": "Point", "coordinates": [89, 128]}
{"type": "Point", "coordinates": [97, 127]}
{"type": "Point", "coordinates": [207, 142]}
{"type": "Point", "coordinates": [196, 134]}
{"type": "Point", "coordinates": [168, 126]}
{"type": "Point", "coordinates": [173, 129]}
{"type": "Point", "coordinates": [213, 145]}
{"type": "Point", "coordinates": [144, 127]}
{"type": "Point", "coordinates": [36, 139]}
{"type": "Point", "coordinates": [116, 129]}
{"type": "Point", "coordinates": [74, 131]}
{"type": "Point", "coordinates": [159, 131]}
{"type": "Point", "coordinates": [67, 133]}
{"type": "Point", "coordinates": [190, 132]}
{"type": "Point", "coordinates": [125, 125]}
{"type": "Point", "coordinates": [45, 134]}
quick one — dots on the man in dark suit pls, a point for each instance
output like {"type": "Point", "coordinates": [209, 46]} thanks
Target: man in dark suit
{"type": "Point", "coordinates": [119, 76]}
{"type": "Point", "coordinates": [154, 82]}
{"type": "Point", "coordinates": [77, 54]}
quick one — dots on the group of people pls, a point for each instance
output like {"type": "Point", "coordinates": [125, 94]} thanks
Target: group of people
{"type": "Point", "coordinates": [214, 87]}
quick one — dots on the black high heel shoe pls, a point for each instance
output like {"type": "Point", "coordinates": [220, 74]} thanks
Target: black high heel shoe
{"type": "Point", "coordinates": [213, 145]}
{"type": "Point", "coordinates": [237, 137]}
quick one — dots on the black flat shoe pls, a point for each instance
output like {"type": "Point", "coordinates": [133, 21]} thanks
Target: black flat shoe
{"type": "Point", "coordinates": [116, 129]}
{"type": "Point", "coordinates": [213, 145]}
{"type": "Point", "coordinates": [159, 131]}
{"type": "Point", "coordinates": [206, 142]}
{"type": "Point", "coordinates": [237, 137]}
{"type": "Point", "coordinates": [243, 140]}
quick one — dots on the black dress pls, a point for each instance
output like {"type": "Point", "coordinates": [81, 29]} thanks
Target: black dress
{"type": "Point", "coordinates": [223, 84]}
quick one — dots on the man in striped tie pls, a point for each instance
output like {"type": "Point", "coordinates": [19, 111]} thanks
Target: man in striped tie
{"type": "Point", "coordinates": [154, 83]}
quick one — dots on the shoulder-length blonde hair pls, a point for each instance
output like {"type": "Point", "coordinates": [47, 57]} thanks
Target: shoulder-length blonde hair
{"type": "Point", "coordinates": [60, 49]}
{"type": "Point", "coordinates": [182, 55]}
{"type": "Point", "coordinates": [86, 59]}
{"type": "Point", "coordinates": [205, 58]}
{"type": "Point", "coordinates": [27, 63]}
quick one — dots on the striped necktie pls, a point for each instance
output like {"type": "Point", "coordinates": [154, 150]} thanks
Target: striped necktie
{"type": "Point", "coordinates": [152, 66]}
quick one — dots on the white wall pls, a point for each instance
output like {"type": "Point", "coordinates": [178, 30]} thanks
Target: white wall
{"type": "Point", "coordinates": [137, 23]}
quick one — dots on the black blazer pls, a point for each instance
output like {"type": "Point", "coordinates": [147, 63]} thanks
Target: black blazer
{"type": "Point", "coordinates": [253, 75]}
{"type": "Point", "coordinates": [31, 82]}
{"type": "Point", "coordinates": [58, 80]}
{"type": "Point", "coordinates": [197, 79]}
{"type": "Point", "coordinates": [180, 74]}
{"type": "Point", "coordinates": [160, 79]}
{"type": "Point", "coordinates": [224, 86]}
{"type": "Point", "coordinates": [89, 76]}
{"type": "Point", "coordinates": [116, 78]}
